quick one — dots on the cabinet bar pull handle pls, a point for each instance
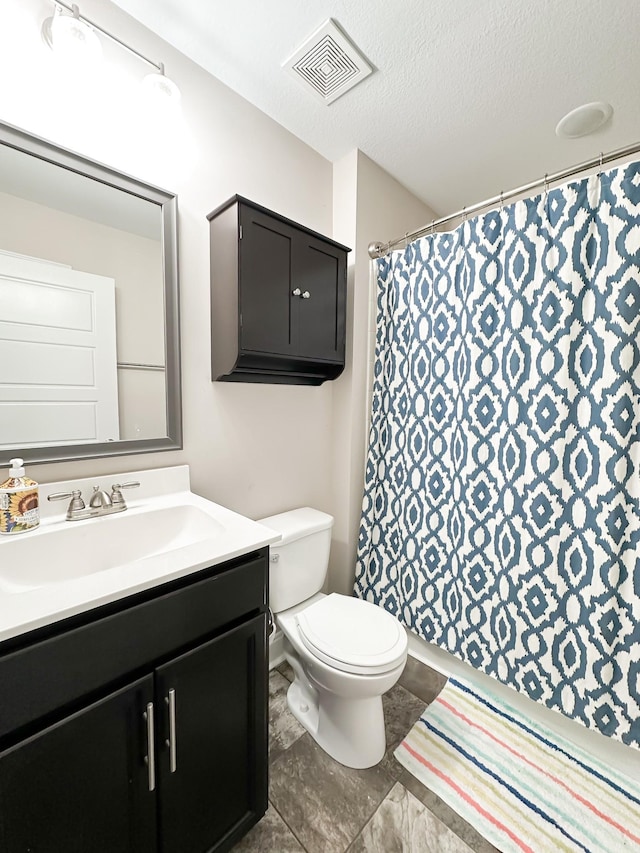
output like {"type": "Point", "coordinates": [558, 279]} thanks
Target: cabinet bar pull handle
{"type": "Point", "coordinates": [150, 758]}
{"type": "Point", "coordinates": [170, 699]}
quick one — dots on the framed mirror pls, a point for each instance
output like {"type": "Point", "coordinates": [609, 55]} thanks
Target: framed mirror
{"type": "Point", "coordinates": [89, 322]}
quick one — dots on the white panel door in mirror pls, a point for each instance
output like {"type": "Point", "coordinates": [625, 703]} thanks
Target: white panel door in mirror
{"type": "Point", "coordinates": [58, 370]}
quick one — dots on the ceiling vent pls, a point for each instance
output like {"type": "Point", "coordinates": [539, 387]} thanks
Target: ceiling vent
{"type": "Point", "coordinates": [327, 64]}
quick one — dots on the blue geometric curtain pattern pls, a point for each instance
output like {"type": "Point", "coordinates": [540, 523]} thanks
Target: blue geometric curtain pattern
{"type": "Point", "coordinates": [501, 512]}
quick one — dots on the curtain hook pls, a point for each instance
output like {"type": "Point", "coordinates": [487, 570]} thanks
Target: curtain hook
{"type": "Point", "coordinates": [433, 226]}
{"type": "Point", "coordinates": [501, 199]}
{"type": "Point", "coordinates": [546, 184]}
{"type": "Point", "coordinates": [464, 214]}
{"type": "Point", "coordinates": [601, 160]}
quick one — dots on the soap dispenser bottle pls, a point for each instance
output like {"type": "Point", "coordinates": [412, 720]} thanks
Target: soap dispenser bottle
{"type": "Point", "coordinates": [19, 510]}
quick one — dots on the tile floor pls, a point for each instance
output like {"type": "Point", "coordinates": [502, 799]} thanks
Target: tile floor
{"type": "Point", "coordinates": [319, 806]}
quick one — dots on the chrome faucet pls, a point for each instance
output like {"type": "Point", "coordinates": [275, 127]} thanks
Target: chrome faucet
{"type": "Point", "coordinates": [100, 503]}
{"type": "Point", "coordinates": [100, 499]}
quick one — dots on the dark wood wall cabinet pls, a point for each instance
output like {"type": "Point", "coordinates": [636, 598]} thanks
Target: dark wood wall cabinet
{"type": "Point", "coordinates": [278, 298]}
{"type": "Point", "coordinates": [141, 727]}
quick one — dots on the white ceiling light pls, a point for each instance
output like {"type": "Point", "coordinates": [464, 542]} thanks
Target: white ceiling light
{"type": "Point", "coordinates": [327, 64]}
{"type": "Point", "coordinates": [584, 120]}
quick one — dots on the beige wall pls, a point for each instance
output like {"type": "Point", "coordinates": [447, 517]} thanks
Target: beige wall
{"type": "Point", "coordinates": [369, 206]}
{"type": "Point", "coordinates": [258, 449]}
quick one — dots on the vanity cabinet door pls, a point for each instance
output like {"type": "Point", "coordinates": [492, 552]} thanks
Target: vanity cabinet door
{"type": "Point", "coordinates": [320, 319]}
{"type": "Point", "coordinates": [82, 784]}
{"type": "Point", "coordinates": [292, 290]}
{"type": "Point", "coordinates": [265, 283]}
{"type": "Point", "coordinates": [217, 786]}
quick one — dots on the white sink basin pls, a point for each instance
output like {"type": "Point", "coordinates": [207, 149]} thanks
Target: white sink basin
{"type": "Point", "coordinates": [71, 550]}
{"type": "Point", "coordinates": [64, 568]}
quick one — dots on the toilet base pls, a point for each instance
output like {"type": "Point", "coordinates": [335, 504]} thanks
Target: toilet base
{"type": "Point", "coordinates": [350, 730]}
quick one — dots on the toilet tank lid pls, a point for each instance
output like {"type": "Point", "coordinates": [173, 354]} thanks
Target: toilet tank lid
{"type": "Point", "coordinates": [297, 523]}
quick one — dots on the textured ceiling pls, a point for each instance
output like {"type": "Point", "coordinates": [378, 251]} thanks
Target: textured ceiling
{"type": "Point", "coordinates": [465, 96]}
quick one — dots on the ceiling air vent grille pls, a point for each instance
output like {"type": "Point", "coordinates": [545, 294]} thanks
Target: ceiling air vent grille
{"type": "Point", "coordinates": [328, 64]}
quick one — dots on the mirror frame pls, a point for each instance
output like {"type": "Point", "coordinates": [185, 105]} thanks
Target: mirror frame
{"type": "Point", "coordinates": [43, 149]}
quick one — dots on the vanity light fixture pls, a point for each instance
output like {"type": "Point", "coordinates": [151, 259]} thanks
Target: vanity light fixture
{"type": "Point", "coordinates": [74, 37]}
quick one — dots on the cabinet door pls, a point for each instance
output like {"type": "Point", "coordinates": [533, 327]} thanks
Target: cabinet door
{"type": "Point", "coordinates": [82, 784]}
{"type": "Point", "coordinates": [217, 786]}
{"type": "Point", "coordinates": [320, 271]}
{"type": "Point", "coordinates": [265, 300]}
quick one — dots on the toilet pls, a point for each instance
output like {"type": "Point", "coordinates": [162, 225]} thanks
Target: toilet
{"type": "Point", "coordinates": [344, 652]}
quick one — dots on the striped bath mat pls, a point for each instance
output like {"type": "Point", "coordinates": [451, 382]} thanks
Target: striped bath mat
{"type": "Point", "coordinates": [522, 787]}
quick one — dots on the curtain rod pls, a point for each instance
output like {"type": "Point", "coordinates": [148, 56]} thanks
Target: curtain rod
{"type": "Point", "coordinates": [378, 250]}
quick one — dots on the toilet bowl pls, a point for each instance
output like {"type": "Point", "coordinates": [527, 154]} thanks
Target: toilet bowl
{"type": "Point", "coordinates": [337, 691]}
{"type": "Point", "coordinates": [344, 652]}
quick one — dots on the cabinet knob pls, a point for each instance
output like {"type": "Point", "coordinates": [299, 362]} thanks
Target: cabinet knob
{"type": "Point", "coordinates": [296, 292]}
{"type": "Point", "coordinates": [306, 295]}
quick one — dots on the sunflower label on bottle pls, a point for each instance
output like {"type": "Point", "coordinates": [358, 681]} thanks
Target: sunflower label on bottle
{"type": "Point", "coordinates": [19, 510]}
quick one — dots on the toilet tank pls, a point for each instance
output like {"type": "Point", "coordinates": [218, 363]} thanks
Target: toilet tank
{"type": "Point", "coordinates": [298, 563]}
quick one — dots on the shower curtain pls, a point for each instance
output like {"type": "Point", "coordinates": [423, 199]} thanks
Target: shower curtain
{"type": "Point", "coordinates": [501, 513]}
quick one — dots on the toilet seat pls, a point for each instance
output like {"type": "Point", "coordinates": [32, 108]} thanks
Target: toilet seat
{"type": "Point", "coordinates": [352, 635]}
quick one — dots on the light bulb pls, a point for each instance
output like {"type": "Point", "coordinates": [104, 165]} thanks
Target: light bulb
{"type": "Point", "coordinates": [161, 89]}
{"type": "Point", "coordinates": [71, 39]}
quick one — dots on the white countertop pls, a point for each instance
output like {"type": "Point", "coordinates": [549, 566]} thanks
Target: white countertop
{"type": "Point", "coordinates": [23, 610]}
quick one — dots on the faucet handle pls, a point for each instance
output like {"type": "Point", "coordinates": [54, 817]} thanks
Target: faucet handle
{"type": "Point", "coordinates": [117, 498]}
{"type": "Point", "coordinates": [76, 505]}
{"type": "Point", "coordinates": [60, 496]}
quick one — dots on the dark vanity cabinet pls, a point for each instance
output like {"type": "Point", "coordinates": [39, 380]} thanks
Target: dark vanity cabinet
{"type": "Point", "coordinates": [74, 785]}
{"type": "Point", "coordinates": [141, 727]}
{"type": "Point", "coordinates": [278, 297]}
